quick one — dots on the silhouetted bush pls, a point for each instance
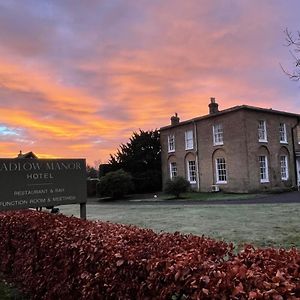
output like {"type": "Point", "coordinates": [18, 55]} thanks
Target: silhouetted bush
{"type": "Point", "coordinates": [115, 184]}
{"type": "Point", "coordinates": [176, 186]}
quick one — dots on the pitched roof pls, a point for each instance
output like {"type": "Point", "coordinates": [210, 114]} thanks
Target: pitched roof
{"type": "Point", "coordinates": [233, 109]}
{"type": "Point", "coordinates": [27, 155]}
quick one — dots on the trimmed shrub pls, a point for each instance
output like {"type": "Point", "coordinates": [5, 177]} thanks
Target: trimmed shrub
{"type": "Point", "coordinates": [115, 184]}
{"type": "Point", "coordinates": [57, 257]}
{"type": "Point", "coordinates": [176, 186]}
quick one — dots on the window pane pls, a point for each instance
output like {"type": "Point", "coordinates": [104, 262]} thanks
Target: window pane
{"type": "Point", "coordinates": [171, 143]}
{"type": "Point", "coordinates": [173, 170]}
{"type": "Point", "coordinates": [282, 132]}
{"type": "Point", "coordinates": [221, 170]}
{"type": "Point", "coordinates": [189, 142]}
{"type": "Point", "coordinates": [263, 165]}
{"type": "Point", "coordinates": [218, 134]}
{"type": "Point", "coordinates": [192, 171]}
{"type": "Point", "coordinates": [284, 167]}
{"type": "Point", "coordinates": [262, 132]}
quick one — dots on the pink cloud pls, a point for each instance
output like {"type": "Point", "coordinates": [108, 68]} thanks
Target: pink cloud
{"type": "Point", "coordinates": [78, 82]}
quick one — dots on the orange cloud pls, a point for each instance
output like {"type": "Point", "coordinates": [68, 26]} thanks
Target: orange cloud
{"type": "Point", "coordinates": [74, 88]}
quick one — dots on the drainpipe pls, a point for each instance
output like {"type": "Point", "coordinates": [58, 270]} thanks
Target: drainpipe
{"type": "Point", "coordinates": [196, 152]}
{"type": "Point", "coordinates": [294, 150]}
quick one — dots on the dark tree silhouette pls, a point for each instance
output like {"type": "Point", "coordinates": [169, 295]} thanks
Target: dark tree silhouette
{"type": "Point", "coordinates": [141, 158]}
{"type": "Point", "coordinates": [91, 172]}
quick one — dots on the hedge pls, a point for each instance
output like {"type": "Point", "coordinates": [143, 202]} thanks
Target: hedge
{"type": "Point", "coordinates": [57, 257]}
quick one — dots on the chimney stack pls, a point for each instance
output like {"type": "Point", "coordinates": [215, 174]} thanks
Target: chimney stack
{"type": "Point", "coordinates": [175, 120]}
{"type": "Point", "coordinates": [213, 106]}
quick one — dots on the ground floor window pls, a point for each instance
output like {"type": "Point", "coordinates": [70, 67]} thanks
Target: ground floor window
{"type": "Point", "coordinates": [221, 173]}
{"type": "Point", "coordinates": [192, 176]}
{"type": "Point", "coordinates": [263, 166]}
{"type": "Point", "coordinates": [284, 171]}
{"type": "Point", "coordinates": [173, 170]}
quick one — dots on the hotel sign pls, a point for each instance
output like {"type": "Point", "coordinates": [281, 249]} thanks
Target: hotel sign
{"type": "Point", "coordinates": [41, 182]}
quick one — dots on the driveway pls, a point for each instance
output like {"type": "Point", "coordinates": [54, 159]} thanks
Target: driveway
{"type": "Point", "coordinates": [290, 197]}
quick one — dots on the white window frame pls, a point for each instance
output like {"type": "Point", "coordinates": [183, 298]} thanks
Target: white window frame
{"type": "Point", "coordinates": [284, 167]}
{"type": "Point", "coordinates": [218, 138]}
{"type": "Point", "coordinates": [173, 170]}
{"type": "Point", "coordinates": [220, 171]}
{"type": "Point", "coordinates": [192, 171]}
{"type": "Point", "coordinates": [282, 133]}
{"type": "Point", "coordinates": [171, 143]}
{"type": "Point", "coordinates": [263, 169]}
{"type": "Point", "coordinates": [189, 140]}
{"type": "Point", "coordinates": [262, 131]}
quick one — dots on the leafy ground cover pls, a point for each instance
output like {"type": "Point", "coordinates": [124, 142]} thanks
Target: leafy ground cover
{"type": "Point", "coordinates": [263, 225]}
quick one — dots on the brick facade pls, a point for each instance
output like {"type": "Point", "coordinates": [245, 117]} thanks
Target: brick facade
{"type": "Point", "coordinates": [241, 163]}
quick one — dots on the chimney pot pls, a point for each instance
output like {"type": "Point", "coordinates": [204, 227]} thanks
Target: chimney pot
{"type": "Point", "coordinates": [175, 120]}
{"type": "Point", "coordinates": [213, 106]}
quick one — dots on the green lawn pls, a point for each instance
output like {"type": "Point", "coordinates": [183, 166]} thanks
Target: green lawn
{"type": "Point", "coordinates": [9, 293]}
{"type": "Point", "coordinates": [275, 225]}
{"type": "Point", "coordinates": [5, 292]}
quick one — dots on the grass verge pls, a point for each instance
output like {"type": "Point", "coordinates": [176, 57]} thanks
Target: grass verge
{"type": "Point", "coordinates": [275, 225]}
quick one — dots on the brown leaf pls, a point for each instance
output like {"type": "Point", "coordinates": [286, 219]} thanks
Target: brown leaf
{"type": "Point", "coordinates": [177, 275]}
{"type": "Point", "coordinates": [252, 295]}
{"type": "Point", "coordinates": [205, 291]}
{"type": "Point", "coordinates": [120, 262]}
{"type": "Point", "coordinates": [238, 289]}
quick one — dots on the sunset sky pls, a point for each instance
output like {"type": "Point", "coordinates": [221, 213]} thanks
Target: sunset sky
{"type": "Point", "coordinates": [78, 77]}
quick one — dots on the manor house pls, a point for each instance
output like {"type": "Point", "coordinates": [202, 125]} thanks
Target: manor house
{"type": "Point", "coordinates": [240, 149]}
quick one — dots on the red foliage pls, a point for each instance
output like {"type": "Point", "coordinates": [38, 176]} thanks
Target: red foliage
{"type": "Point", "coordinates": [57, 257]}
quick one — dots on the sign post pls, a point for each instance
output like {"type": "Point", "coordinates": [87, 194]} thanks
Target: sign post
{"type": "Point", "coordinates": [30, 183]}
{"type": "Point", "coordinates": [83, 211]}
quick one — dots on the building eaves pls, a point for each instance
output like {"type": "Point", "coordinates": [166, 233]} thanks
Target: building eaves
{"type": "Point", "coordinates": [230, 110]}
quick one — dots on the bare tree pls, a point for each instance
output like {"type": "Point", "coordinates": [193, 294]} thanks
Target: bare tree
{"type": "Point", "coordinates": [293, 43]}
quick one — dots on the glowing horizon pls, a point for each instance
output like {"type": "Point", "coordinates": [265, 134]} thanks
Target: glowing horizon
{"type": "Point", "coordinates": [77, 79]}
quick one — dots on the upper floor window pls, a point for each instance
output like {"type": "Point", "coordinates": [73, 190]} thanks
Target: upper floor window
{"type": "Point", "coordinates": [173, 170]}
{"type": "Point", "coordinates": [282, 133]}
{"type": "Point", "coordinates": [218, 134]}
{"type": "Point", "coordinates": [298, 133]}
{"type": "Point", "coordinates": [221, 173]}
{"type": "Point", "coordinates": [171, 143]}
{"type": "Point", "coordinates": [262, 131]}
{"type": "Point", "coordinates": [189, 141]}
{"type": "Point", "coordinates": [263, 166]}
{"type": "Point", "coordinates": [192, 176]}
{"type": "Point", "coordinates": [284, 169]}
